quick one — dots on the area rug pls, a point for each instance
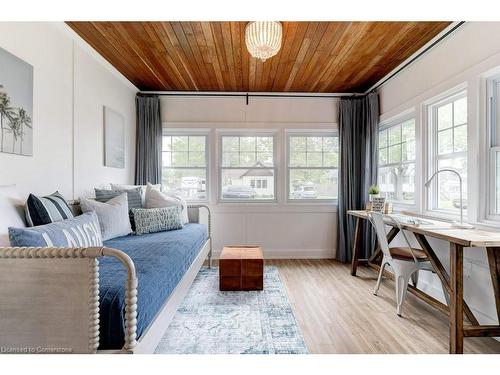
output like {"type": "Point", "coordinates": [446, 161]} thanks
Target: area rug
{"type": "Point", "coordinates": [213, 322]}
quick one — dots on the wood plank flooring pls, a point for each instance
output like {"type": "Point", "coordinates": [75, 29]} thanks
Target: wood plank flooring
{"type": "Point", "coordinates": [338, 313]}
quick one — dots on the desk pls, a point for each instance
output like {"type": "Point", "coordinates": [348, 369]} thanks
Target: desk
{"type": "Point", "coordinates": [453, 283]}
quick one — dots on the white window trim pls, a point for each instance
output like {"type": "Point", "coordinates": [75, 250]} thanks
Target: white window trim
{"type": "Point", "coordinates": [172, 132]}
{"type": "Point", "coordinates": [431, 152]}
{"type": "Point", "coordinates": [491, 121]}
{"type": "Point", "coordinates": [393, 121]}
{"type": "Point", "coordinates": [247, 133]}
{"type": "Point", "coordinates": [306, 133]}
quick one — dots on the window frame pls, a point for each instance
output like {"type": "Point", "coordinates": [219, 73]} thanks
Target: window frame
{"type": "Point", "coordinates": [387, 124]}
{"type": "Point", "coordinates": [246, 133]}
{"type": "Point", "coordinates": [492, 132]}
{"type": "Point", "coordinates": [307, 133]}
{"type": "Point", "coordinates": [166, 132]}
{"type": "Point", "coordinates": [433, 156]}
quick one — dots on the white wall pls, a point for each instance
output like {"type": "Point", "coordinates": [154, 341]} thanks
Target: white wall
{"type": "Point", "coordinates": [465, 57]}
{"type": "Point", "coordinates": [284, 230]}
{"type": "Point", "coordinates": [71, 85]}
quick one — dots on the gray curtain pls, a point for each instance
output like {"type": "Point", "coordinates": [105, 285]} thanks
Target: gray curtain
{"type": "Point", "coordinates": [358, 139]}
{"type": "Point", "coordinates": [148, 140]}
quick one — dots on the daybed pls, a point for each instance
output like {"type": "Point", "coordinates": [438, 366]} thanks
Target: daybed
{"type": "Point", "coordinates": [118, 298]}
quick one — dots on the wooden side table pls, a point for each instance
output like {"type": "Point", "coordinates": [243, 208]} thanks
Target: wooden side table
{"type": "Point", "coordinates": [241, 268]}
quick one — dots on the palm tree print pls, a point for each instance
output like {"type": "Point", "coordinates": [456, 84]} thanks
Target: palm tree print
{"type": "Point", "coordinates": [18, 121]}
{"type": "Point", "coordinates": [6, 113]}
{"type": "Point", "coordinates": [23, 120]}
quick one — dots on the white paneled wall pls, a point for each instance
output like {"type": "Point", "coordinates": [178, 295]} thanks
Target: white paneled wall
{"type": "Point", "coordinates": [465, 57]}
{"type": "Point", "coordinates": [71, 85]}
{"type": "Point", "coordinates": [283, 230]}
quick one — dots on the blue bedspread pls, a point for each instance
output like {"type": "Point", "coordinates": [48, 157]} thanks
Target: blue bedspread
{"type": "Point", "coordinates": [161, 260]}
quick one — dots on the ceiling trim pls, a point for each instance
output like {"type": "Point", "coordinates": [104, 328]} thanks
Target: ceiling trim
{"type": "Point", "coordinates": [447, 32]}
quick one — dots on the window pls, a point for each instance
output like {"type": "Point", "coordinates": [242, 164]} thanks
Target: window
{"type": "Point", "coordinates": [494, 146]}
{"type": "Point", "coordinates": [448, 149]}
{"type": "Point", "coordinates": [184, 160]}
{"type": "Point", "coordinates": [396, 163]}
{"type": "Point", "coordinates": [248, 171]}
{"type": "Point", "coordinates": [313, 167]}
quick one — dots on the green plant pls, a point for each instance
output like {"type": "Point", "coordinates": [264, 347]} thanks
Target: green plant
{"type": "Point", "coordinates": [374, 189]}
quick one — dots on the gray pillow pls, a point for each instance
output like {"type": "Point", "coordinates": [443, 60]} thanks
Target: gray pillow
{"type": "Point", "coordinates": [113, 215]}
{"type": "Point", "coordinates": [157, 219]}
{"type": "Point", "coordinates": [133, 195]}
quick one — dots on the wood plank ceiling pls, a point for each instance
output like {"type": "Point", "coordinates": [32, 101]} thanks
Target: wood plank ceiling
{"type": "Point", "coordinates": [212, 56]}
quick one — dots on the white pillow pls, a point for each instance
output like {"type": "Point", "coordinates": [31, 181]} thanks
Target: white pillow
{"type": "Point", "coordinates": [131, 187]}
{"type": "Point", "coordinates": [11, 212]}
{"type": "Point", "coordinates": [157, 199]}
{"type": "Point", "coordinates": [113, 215]}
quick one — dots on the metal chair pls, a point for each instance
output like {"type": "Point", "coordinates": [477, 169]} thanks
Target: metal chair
{"type": "Point", "coordinates": [406, 262]}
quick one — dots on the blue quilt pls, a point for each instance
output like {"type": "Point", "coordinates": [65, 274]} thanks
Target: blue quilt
{"type": "Point", "coordinates": [161, 260]}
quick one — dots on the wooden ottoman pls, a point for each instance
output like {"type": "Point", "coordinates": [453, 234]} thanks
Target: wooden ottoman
{"type": "Point", "coordinates": [241, 268]}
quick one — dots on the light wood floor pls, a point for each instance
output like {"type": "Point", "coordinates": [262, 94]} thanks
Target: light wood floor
{"type": "Point", "coordinates": [338, 313]}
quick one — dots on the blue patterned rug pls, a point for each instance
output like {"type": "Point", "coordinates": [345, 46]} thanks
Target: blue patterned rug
{"type": "Point", "coordinates": [213, 322]}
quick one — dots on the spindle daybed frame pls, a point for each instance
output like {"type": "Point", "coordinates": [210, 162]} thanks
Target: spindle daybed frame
{"type": "Point", "coordinates": [49, 298]}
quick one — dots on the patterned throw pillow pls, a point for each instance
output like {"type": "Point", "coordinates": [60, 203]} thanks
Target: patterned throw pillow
{"type": "Point", "coordinates": [80, 231]}
{"type": "Point", "coordinates": [157, 199]}
{"type": "Point", "coordinates": [157, 219]}
{"type": "Point", "coordinates": [46, 210]}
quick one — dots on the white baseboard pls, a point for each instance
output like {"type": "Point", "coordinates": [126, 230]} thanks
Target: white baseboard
{"type": "Point", "coordinates": [292, 254]}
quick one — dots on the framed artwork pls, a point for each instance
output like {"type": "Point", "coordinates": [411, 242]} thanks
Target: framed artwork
{"type": "Point", "coordinates": [16, 105]}
{"type": "Point", "coordinates": [114, 139]}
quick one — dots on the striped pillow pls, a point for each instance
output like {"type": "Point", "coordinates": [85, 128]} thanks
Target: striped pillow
{"type": "Point", "coordinates": [46, 210]}
{"type": "Point", "coordinates": [133, 196]}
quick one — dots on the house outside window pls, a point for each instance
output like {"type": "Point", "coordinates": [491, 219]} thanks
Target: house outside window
{"type": "Point", "coordinates": [247, 167]}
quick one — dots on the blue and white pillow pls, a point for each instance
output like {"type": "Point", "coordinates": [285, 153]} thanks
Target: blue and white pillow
{"type": "Point", "coordinates": [133, 196]}
{"type": "Point", "coordinates": [151, 220]}
{"type": "Point", "coordinates": [80, 231]}
{"type": "Point", "coordinates": [46, 210]}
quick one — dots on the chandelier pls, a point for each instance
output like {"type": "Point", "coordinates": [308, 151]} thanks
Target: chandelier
{"type": "Point", "coordinates": [263, 38]}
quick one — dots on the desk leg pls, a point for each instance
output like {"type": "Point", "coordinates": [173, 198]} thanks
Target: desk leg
{"type": "Point", "coordinates": [443, 275]}
{"type": "Point", "coordinates": [456, 300]}
{"type": "Point", "coordinates": [494, 263]}
{"type": "Point", "coordinates": [356, 247]}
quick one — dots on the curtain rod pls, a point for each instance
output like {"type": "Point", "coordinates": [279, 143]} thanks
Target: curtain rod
{"type": "Point", "coordinates": [246, 95]}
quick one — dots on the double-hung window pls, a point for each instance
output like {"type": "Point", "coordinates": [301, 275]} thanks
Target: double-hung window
{"type": "Point", "coordinates": [493, 209]}
{"type": "Point", "coordinates": [313, 166]}
{"type": "Point", "coordinates": [396, 164]}
{"type": "Point", "coordinates": [247, 167]}
{"type": "Point", "coordinates": [184, 160]}
{"type": "Point", "coordinates": [448, 149]}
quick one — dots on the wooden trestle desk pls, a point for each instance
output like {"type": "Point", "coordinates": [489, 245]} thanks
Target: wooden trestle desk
{"type": "Point", "coordinates": [453, 283]}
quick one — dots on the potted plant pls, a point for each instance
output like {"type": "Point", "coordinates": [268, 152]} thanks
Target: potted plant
{"type": "Point", "coordinates": [373, 192]}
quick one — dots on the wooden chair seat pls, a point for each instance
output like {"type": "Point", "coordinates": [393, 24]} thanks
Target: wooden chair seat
{"type": "Point", "coordinates": [404, 253]}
